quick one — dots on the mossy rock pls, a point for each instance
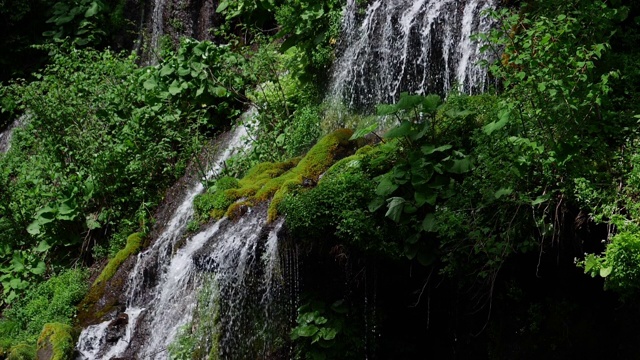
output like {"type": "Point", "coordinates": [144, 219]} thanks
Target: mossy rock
{"type": "Point", "coordinates": [134, 242]}
{"type": "Point", "coordinates": [56, 342]}
{"type": "Point", "coordinates": [272, 181]}
{"type": "Point", "coordinates": [22, 351]}
{"type": "Point", "coordinates": [103, 294]}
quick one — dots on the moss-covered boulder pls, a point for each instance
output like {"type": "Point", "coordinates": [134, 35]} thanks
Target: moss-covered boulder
{"type": "Point", "coordinates": [104, 294]}
{"type": "Point", "coordinates": [272, 181]}
{"type": "Point", "coordinates": [56, 342]}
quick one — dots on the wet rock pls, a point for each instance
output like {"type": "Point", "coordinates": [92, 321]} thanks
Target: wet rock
{"type": "Point", "coordinates": [117, 328]}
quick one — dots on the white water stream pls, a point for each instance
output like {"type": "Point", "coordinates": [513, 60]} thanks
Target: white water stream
{"type": "Point", "coordinates": [421, 46]}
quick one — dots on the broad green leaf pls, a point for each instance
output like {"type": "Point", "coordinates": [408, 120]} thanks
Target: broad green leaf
{"type": "Point", "coordinates": [363, 132]}
{"type": "Point", "coordinates": [408, 102]}
{"type": "Point", "coordinates": [430, 149]}
{"type": "Point", "coordinates": [305, 330]}
{"type": "Point", "coordinates": [175, 88]}
{"type": "Point", "coordinates": [67, 207]}
{"type": "Point", "coordinates": [92, 10]}
{"type": "Point", "coordinates": [385, 109]}
{"type": "Point", "coordinates": [386, 186]}
{"type": "Point", "coordinates": [502, 192]}
{"type": "Point", "coordinates": [429, 222]}
{"type": "Point", "coordinates": [328, 333]}
{"type": "Point", "coordinates": [606, 271]}
{"type": "Point", "coordinates": [166, 70]}
{"type": "Point", "coordinates": [219, 91]}
{"type": "Point", "coordinates": [376, 204]}
{"type": "Point", "coordinates": [425, 197]}
{"type": "Point", "coordinates": [42, 246]}
{"type": "Point", "coordinates": [460, 166]}
{"type": "Point", "coordinates": [39, 269]}
{"type": "Point", "coordinates": [403, 129]}
{"type": "Point", "coordinates": [503, 119]}
{"type": "Point", "coordinates": [150, 84]}
{"type": "Point", "coordinates": [222, 6]}
{"type": "Point", "coordinates": [34, 228]}
{"type": "Point", "coordinates": [431, 103]}
{"type": "Point", "coordinates": [92, 223]}
{"type": "Point", "coordinates": [540, 199]}
{"type": "Point", "coordinates": [396, 207]}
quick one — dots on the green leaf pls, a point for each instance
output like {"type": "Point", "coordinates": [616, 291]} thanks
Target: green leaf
{"type": "Point", "coordinates": [460, 166]}
{"type": "Point", "coordinates": [305, 330]}
{"type": "Point", "coordinates": [395, 208]}
{"type": "Point", "coordinates": [150, 84]}
{"type": "Point", "coordinates": [363, 132]}
{"type": "Point", "coordinates": [540, 199]}
{"type": "Point", "coordinates": [42, 246]}
{"type": "Point", "coordinates": [431, 103]}
{"type": "Point", "coordinates": [92, 10]}
{"type": "Point", "coordinates": [429, 222]}
{"type": "Point", "coordinates": [408, 102]}
{"type": "Point", "coordinates": [34, 228]}
{"type": "Point", "coordinates": [376, 204]}
{"type": "Point", "coordinates": [386, 186]}
{"type": "Point", "coordinates": [222, 6]}
{"type": "Point", "coordinates": [403, 129]}
{"type": "Point", "coordinates": [503, 119]}
{"type": "Point", "coordinates": [502, 192]}
{"type": "Point", "coordinates": [425, 197]}
{"type": "Point", "coordinates": [219, 91]}
{"type": "Point", "coordinates": [166, 70]}
{"type": "Point", "coordinates": [175, 88]}
{"type": "Point", "coordinates": [39, 269]}
{"type": "Point", "coordinates": [385, 109]}
{"type": "Point", "coordinates": [430, 149]}
{"type": "Point", "coordinates": [606, 271]}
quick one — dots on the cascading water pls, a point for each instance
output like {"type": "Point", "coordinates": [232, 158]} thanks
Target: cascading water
{"type": "Point", "coordinates": [421, 46]}
{"type": "Point", "coordinates": [241, 259]}
{"type": "Point", "coordinates": [241, 273]}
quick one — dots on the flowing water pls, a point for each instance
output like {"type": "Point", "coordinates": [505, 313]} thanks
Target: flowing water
{"type": "Point", "coordinates": [242, 272]}
{"type": "Point", "coordinates": [415, 46]}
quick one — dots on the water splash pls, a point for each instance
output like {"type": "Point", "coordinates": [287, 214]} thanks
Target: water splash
{"type": "Point", "coordinates": [419, 46]}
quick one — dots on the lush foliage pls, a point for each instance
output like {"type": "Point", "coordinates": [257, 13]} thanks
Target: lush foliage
{"type": "Point", "coordinates": [323, 332]}
{"type": "Point", "coordinates": [51, 301]}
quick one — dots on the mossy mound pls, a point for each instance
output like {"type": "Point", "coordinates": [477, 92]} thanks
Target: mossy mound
{"type": "Point", "coordinates": [56, 342]}
{"type": "Point", "coordinates": [98, 303]}
{"type": "Point", "coordinates": [22, 351]}
{"type": "Point", "coordinates": [274, 180]}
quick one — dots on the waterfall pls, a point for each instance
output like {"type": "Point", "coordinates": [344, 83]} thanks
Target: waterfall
{"type": "Point", "coordinates": [242, 260]}
{"type": "Point", "coordinates": [417, 46]}
{"type": "Point", "coordinates": [7, 133]}
{"type": "Point", "coordinates": [246, 272]}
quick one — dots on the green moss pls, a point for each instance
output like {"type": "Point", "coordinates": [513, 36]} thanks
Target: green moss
{"type": "Point", "coordinates": [214, 202]}
{"type": "Point", "coordinates": [59, 337]}
{"type": "Point", "coordinates": [22, 351]}
{"type": "Point", "coordinates": [88, 308]}
{"type": "Point", "coordinates": [273, 181]}
{"type": "Point", "coordinates": [134, 242]}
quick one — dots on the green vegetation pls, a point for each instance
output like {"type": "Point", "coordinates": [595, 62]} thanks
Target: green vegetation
{"type": "Point", "coordinates": [457, 206]}
{"type": "Point", "coordinates": [52, 301]}
{"type": "Point", "coordinates": [56, 338]}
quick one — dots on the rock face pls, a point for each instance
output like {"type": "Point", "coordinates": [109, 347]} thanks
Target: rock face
{"type": "Point", "coordinates": [117, 328]}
